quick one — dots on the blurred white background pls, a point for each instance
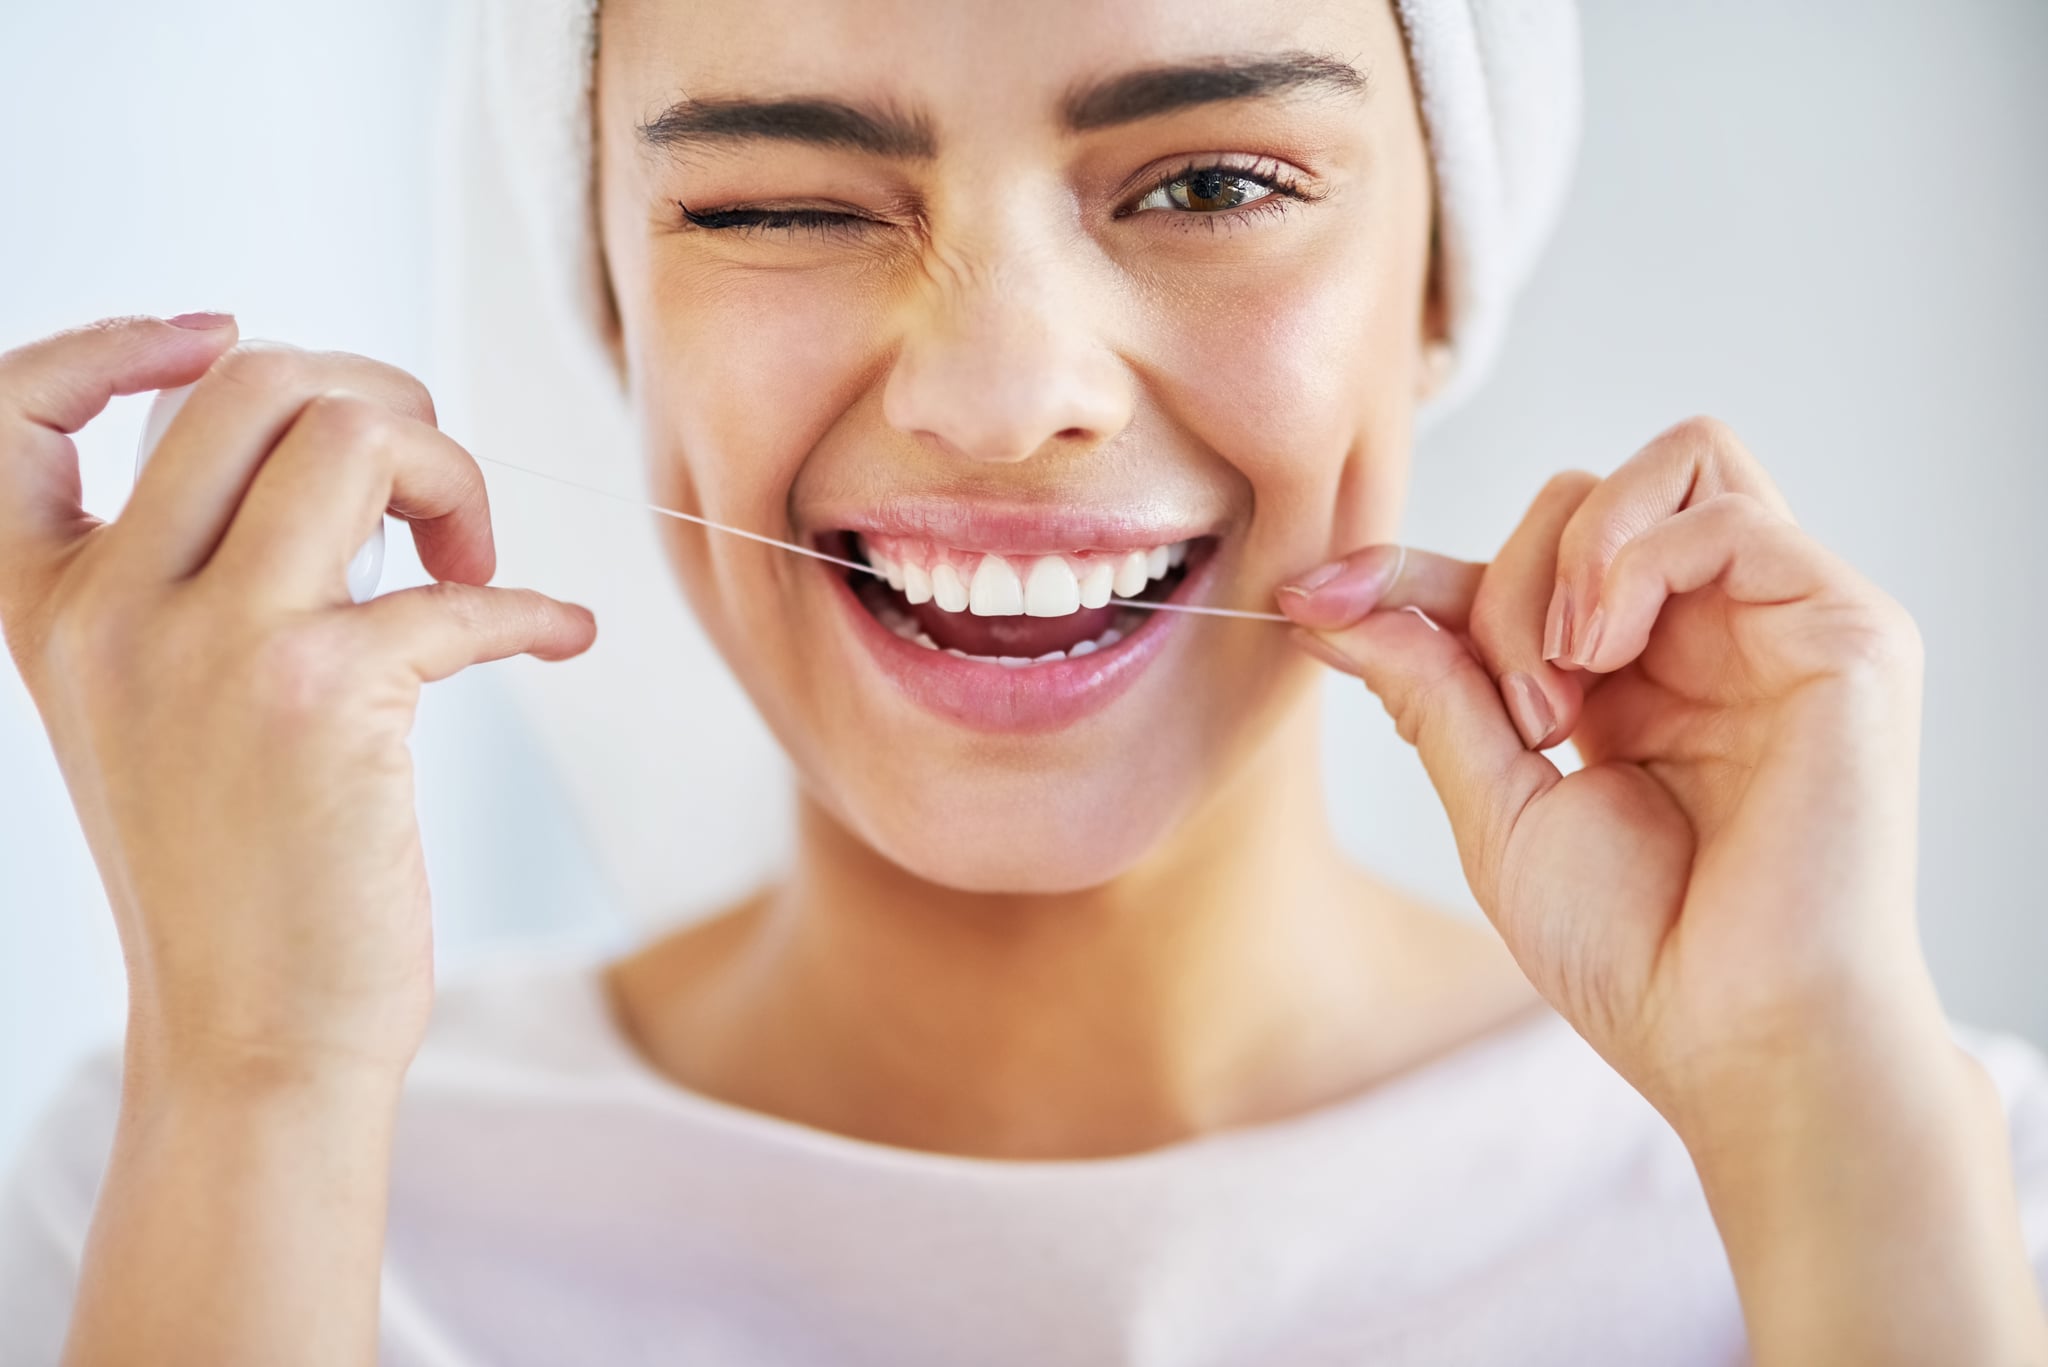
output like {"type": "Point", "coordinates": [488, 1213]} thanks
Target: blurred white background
{"type": "Point", "coordinates": [1819, 222]}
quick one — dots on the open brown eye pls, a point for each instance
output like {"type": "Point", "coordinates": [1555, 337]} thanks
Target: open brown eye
{"type": "Point", "coordinates": [1198, 191]}
{"type": "Point", "coordinates": [1215, 188]}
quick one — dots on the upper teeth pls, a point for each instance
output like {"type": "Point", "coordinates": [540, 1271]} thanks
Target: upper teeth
{"type": "Point", "coordinates": [990, 585]}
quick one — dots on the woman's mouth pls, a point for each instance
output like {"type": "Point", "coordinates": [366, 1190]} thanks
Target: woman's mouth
{"type": "Point", "coordinates": [1012, 610]}
{"type": "Point", "coordinates": [1014, 642]}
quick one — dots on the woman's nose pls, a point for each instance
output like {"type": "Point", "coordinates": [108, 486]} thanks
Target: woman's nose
{"type": "Point", "coordinates": [1001, 358]}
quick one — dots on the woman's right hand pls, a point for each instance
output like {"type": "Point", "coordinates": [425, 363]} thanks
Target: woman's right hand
{"type": "Point", "coordinates": [231, 726]}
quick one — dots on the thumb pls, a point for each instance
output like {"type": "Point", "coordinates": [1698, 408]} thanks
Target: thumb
{"type": "Point", "coordinates": [51, 388]}
{"type": "Point", "coordinates": [1445, 704]}
{"type": "Point", "coordinates": [443, 628]}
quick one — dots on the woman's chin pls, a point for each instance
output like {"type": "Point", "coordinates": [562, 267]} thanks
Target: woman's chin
{"type": "Point", "coordinates": [1047, 844]}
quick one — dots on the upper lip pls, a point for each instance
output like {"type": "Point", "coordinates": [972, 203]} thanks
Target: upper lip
{"type": "Point", "coordinates": [1013, 528]}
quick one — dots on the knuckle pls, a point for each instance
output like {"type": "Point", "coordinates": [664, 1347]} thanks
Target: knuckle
{"type": "Point", "coordinates": [399, 390]}
{"type": "Point", "coordinates": [265, 367]}
{"type": "Point", "coordinates": [415, 401]}
{"type": "Point", "coordinates": [1703, 431]}
{"type": "Point", "coordinates": [1864, 638]}
{"type": "Point", "coordinates": [468, 611]}
{"type": "Point", "coordinates": [1720, 457]}
{"type": "Point", "coordinates": [301, 669]}
{"type": "Point", "coordinates": [1568, 486]}
{"type": "Point", "coordinates": [1881, 637]}
{"type": "Point", "coordinates": [1734, 512]}
{"type": "Point", "coordinates": [346, 416]}
{"type": "Point", "coordinates": [350, 422]}
{"type": "Point", "coordinates": [1491, 622]}
{"type": "Point", "coordinates": [99, 329]}
{"type": "Point", "coordinates": [1417, 707]}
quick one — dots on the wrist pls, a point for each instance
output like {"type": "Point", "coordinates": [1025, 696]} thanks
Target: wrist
{"type": "Point", "coordinates": [243, 1200]}
{"type": "Point", "coordinates": [1860, 1043]}
{"type": "Point", "coordinates": [1863, 1191]}
{"type": "Point", "coordinates": [1823, 1110]}
{"type": "Point", "coordinates": [235, 1075]}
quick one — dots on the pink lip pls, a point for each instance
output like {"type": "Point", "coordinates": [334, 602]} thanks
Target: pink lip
{"type": "Point", "coordinates": [1017, 529]}
{"type": "Point", "coordinates": [1036, 698]}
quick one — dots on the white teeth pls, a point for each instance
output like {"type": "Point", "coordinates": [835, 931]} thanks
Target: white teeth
{"type": "Point", "coordinates": [1035, 586]}
{"type": "Point", "coordinates": [1052, 590]}
{"type": "Point", "coordinates": [1098, 583]}
{"type": "Point", "coordinates": [884, 566]}
{"type": "Point", "coordinates": [947, 589]}
{"type": "Point", "coordinates": [1132, 574]}
{"type": "Point", "coordinates": [890, 570]}
{"type": "Point", "coordinates": [996, 591]}
{"type": "Point", "coordinates": [909, 632]}
{"type": "Point", "coordinates": [917, 585]}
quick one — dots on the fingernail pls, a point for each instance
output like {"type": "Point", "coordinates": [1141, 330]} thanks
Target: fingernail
{"type": "Point", "coordinates": [1557, 624]}
{"type": "Point", "coordinates": [1323, 650]}
{"type": "Point", "coordinates": [1529, 708]}
{"type": "Point", "coordinates": [1314, 579]}
{"type": "Point", "coordinates": [201, 322]}
{"type": "Point", "coordinates": [1342, 591]}
{"type": "Point", "coordinates": [1583, 655]}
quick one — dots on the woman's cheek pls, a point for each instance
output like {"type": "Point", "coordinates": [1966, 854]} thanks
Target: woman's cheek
{"type": "Point", "coordinates": [755, 368]}
{"type": "Point", "coordinates": [1297, 386]}
{"type": "Point", "coordinates": [742, 377]}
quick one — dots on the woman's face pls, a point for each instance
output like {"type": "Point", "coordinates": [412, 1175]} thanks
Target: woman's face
{"type": "Point", "coordinates": [1044, 304]}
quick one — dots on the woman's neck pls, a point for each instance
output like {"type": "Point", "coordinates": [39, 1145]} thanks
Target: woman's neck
{"type": "Point", "coordinates": [1246, 973]}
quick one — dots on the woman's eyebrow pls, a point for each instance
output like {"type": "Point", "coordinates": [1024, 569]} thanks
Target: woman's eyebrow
{"type": "Point", "coordinates": [1151, 91]}
{"type": "Point", "coordinates": [1104, 102]}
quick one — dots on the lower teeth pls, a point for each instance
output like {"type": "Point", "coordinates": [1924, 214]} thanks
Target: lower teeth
{"type": "Point", "coordinates": [903, 625]}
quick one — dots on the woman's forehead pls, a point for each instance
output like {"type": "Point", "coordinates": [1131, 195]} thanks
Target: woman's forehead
{"type": "Point", "coordinates": [909, 68]}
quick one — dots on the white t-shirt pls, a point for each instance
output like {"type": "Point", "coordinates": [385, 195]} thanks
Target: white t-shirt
{"type": "Point", "coordinates": [555, 1200]}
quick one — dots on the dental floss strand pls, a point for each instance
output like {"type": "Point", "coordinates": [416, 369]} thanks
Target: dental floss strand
{"type": "Point", "coordinates": [1401, 563]}
{"type": "Point", "coordinates": [836, 560]}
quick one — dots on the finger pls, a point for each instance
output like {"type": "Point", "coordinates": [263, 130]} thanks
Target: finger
{"type": "Point", "coordinates": [1732, 541]}
{"type": "Point", "coordinates": [186, 496]}
{"type": "Point", "coordinates": [52, 388]}
{"type": "Point", "coordinates": [1342, 592]}
{"type": "Point", "coordinates": [1508, 615]}
{"type": "Point", "coordinates": [440, 629]}
{"type": "Point", "coordinates": [345, 459]}
{"type": "Point", "coordinates": [1685, 465]}
{"type": "Point", "coordinates": [1444, 703]}
{"type": "Point", "coordinates": [65, 380]}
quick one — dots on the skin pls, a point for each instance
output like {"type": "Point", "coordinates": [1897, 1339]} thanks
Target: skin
{"type": "Point", "coordinates": [1719, 901]}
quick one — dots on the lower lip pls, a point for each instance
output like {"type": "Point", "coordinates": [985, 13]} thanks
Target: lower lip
{"type": "Point", "coordinates": [1025, 699]}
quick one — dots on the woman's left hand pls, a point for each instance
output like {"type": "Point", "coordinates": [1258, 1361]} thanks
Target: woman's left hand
{"type": "Point", "coordinates": [1732, 870]}
{"type": "Point", "coordinates": [1721, 900]}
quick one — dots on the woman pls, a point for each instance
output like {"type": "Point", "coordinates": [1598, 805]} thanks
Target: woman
{"type": "Point", "coordinates": [1069, 1036]}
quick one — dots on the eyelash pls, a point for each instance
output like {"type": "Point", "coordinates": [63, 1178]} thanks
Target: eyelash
{"type": "Point", "coordinates": [1286, 192]}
